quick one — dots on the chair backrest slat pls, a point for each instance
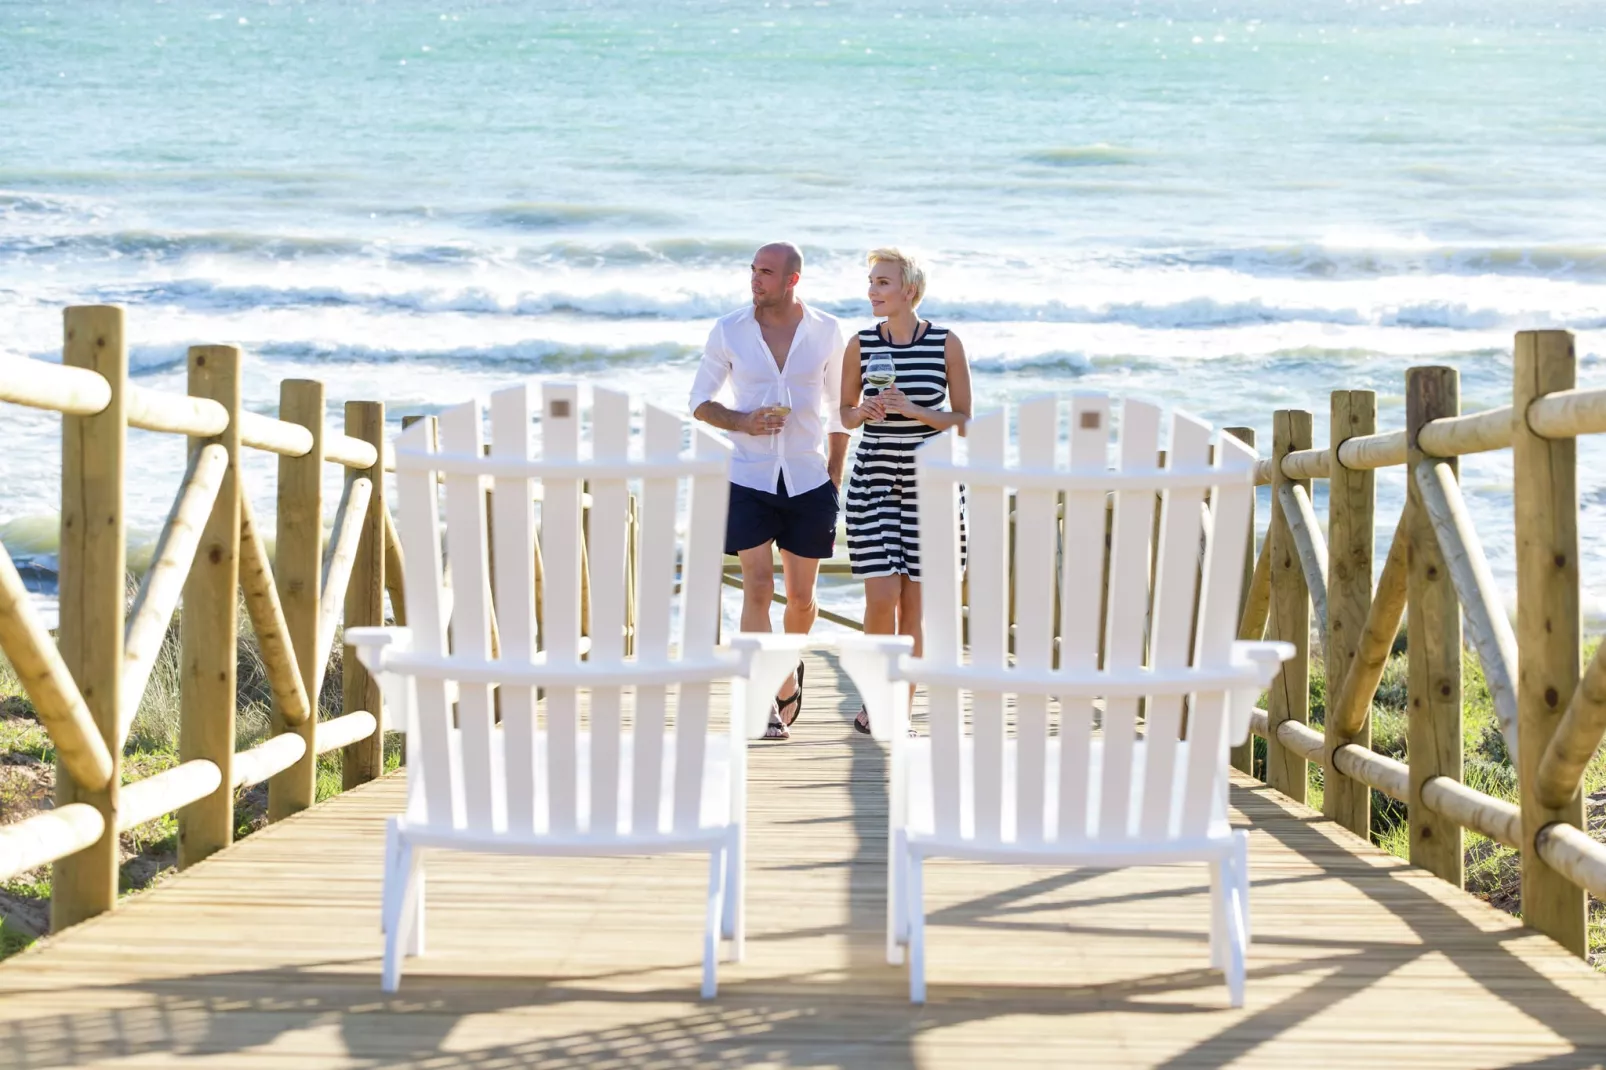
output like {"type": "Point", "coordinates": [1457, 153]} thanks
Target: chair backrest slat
{"type": "Point", "coordinates": [1231, 528]}
{"type": "Point", "coordinates": [560, 552]}
{"type": "Point", "coordinates": [513, 538]}
{"type": "Point", "coordinates": [466, 551]}
{"type": "Point", "coordinates": [1036, 530]}
{"type": "Point", "coordinates": [701, 563]}
{"type": "Point", "coordinates": [609, 531]}
{"type": "Point", "coordinates": [1081, 577]}
{"type": "Point", "coordinates": [989, 619]}
{"type": "Point", "coordinates": [600, 779]}
{"type": "Point", "coordinates": [418, 524]}
{"type": "Point", "coordinates": [1176, 580]}
{"type": "Point", "coordinates": [661, 438]}
{"type": "Point", "coordinates": [940, 586]}
{"type": "Point", "coordinates": [1128, 603]}
{"type": "Point", "coordinates": [1035, 788]}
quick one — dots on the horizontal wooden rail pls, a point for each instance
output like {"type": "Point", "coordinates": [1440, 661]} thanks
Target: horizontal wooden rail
{"type": "Point", "coordinates": [1563, 414]}
{"type": "Point", "coordinates": [1476, 432]}
{"type": "Point", "coordinates": [49, 684]}
{"type": "Point", "coordinates": [267, 759]}
{"type": "Point", "coordinates": [344, 730]}
{"type": "Point", "coordinates": [1574, 854]}
{"type": "Point", "coordinates": [1382, 450]}
{"type": "Point", "coordinates": [1484, 814]}
{"type": "Point", "coordinates": [1472, 809]}
{"type": "Point", "coordinates": [73, 391]}
{"type": "Point", "coordinates": [47, 836]}
{"type": "Point", "coordinates": [161, 794]}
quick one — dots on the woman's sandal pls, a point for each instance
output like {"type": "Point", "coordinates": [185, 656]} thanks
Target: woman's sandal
{"type": "Point", "coordinates": [861, 724]}
{"type": "Point", "coordinates": [779, 727]}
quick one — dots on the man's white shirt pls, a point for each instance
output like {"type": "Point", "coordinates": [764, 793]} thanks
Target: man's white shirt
{"type": "Point", "coordinates": [738, 357]}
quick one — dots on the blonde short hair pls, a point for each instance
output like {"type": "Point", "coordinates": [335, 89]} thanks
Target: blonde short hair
{"type": "Point", "coordinates": [913, 273]}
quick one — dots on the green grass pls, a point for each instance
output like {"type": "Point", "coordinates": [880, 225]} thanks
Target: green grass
{"type": "Point", "coordinates": [150, 850]}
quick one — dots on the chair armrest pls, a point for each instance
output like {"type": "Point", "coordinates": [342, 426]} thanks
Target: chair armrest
{"type": "Point", "coordinates": [765, 660]}
{"type": "Point", "coordinates": [1266, 660]}
{"type": "Point", "coordinates": [372, 643]}
{"type": "Point", "coordinates": [872, 662]}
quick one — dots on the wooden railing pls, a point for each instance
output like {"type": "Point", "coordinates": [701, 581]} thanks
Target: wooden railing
{"type": "Point", "coordinates": [86, 683]}
{"type": "Point", "coordinates": [86, 689]}
{"type": "Point", "coordinates": [1552, 720]}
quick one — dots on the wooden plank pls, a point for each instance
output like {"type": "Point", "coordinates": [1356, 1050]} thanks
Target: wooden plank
{"type": "Point", "coordinates": [1549, 625]}
{"type": "Point", "coordinates": [1433, 620]}
{"type": "Point", "coordinates": [91, 594]}
{"type": "Point", "coordinates": [1243, 755]}
{"type": "Point", "coordinates": [298, 573]}
{"type": "Point", "coordinates": [208, 629]}
{"type": "Point", "coordinates": [1351, 505]}
{"type": "Point", "coordinates": [365, 598]}
{"type": "Point", "coordinates": [1289, 696]}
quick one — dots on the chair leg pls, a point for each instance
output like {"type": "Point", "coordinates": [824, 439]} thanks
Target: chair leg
{"type": "Point", "coordinates": [734, 922]}
{"type": "Point", "coordinates": [914, 873]}
{"type": "Point", "coordinates": [415, 942]}
{"type": "Point", "coordinates": [1220, 884]}
{"type": "Point", "coordinates": [1241, 846]}
{"type": "Point", "coordinates": [402, 931]}
{"type": "Point", "coordinates": [716, 888]}
{"type": "Point", "coordinates": [386, 907]}
{"type": "Point", "coordinates": [897, 908]}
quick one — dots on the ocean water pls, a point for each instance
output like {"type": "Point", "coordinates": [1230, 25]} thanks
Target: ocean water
{"type": "Point", "coordinates": [1229, 206]}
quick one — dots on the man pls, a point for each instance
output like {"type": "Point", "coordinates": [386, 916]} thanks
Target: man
{"type": "Point", "coordinates": [783, 362]}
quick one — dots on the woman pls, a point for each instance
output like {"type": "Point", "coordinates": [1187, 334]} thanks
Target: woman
{"type": "Point", "coordinates": [929, 368]}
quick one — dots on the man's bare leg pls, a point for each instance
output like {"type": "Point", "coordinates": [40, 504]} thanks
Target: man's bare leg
{"type": "Point", "coordinates": [801, 575]}
{"type": "Point", "coordinates": [758, 587]}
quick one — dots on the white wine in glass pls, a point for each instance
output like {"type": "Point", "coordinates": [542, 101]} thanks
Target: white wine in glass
{"type": "Point", "coordinates": [880, 372]}
{"type": "Point", "coordinates": [779, 402]}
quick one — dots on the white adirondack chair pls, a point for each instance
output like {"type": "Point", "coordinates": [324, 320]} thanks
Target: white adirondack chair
{"type": "Point", "coordinates": [564, 784]}
{"type": "Point", "coordinates": [1002, 790]}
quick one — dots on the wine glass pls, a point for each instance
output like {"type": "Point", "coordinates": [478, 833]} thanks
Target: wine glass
{"type": "Point", "coordinates": [778, 400]}
{"type": "Point", "coordinates": [880, 372]}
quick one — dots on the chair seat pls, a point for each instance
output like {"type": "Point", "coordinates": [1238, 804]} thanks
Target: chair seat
{"type": "Point", "coordinates": [922, 818]}
{"type": "Point", "coordinates": [714, 814]}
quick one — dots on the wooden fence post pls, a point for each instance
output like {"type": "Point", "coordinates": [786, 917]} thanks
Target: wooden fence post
{"type": "Point", "coordinates": [1433, 622]}
{"type": "Point", "coordinates": [1351, 503]}
{"type": "Point", "coordinates": [365, 598]}
{"type": "Point", "coordinates": [209, 624]}
{"type": "Point", "coordinates": [1549, 625]}
{"type": "Point", "coordinates": [1289, 696]}
{"type": "Point", "coordinates": [92, 568]}
{"type": "Point", "coordinates": [298, 574]}
{"type": "Point", "coordinates": [1243, 757]}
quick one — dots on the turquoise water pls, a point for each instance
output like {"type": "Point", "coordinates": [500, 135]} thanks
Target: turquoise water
{"type": "Point", "coordinates": [1231, 206]}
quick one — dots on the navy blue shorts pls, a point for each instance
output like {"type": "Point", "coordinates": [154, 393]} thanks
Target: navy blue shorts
{"type": "Point", "coordinates": [804, 525]}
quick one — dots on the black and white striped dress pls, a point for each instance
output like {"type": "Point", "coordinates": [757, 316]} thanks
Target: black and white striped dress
{"type": "Point", "coordinates": [883, 521]}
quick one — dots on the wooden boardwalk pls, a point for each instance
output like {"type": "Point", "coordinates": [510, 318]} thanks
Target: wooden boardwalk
{"type": "Point", "coordinates": [268, 955]}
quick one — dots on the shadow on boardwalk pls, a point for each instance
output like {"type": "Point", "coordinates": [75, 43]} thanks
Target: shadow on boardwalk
{"type": "Point", "coordinates": [267, 956]}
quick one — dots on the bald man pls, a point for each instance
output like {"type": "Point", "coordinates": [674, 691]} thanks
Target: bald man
{"type": "Point", "coordinates": [786, 474]}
